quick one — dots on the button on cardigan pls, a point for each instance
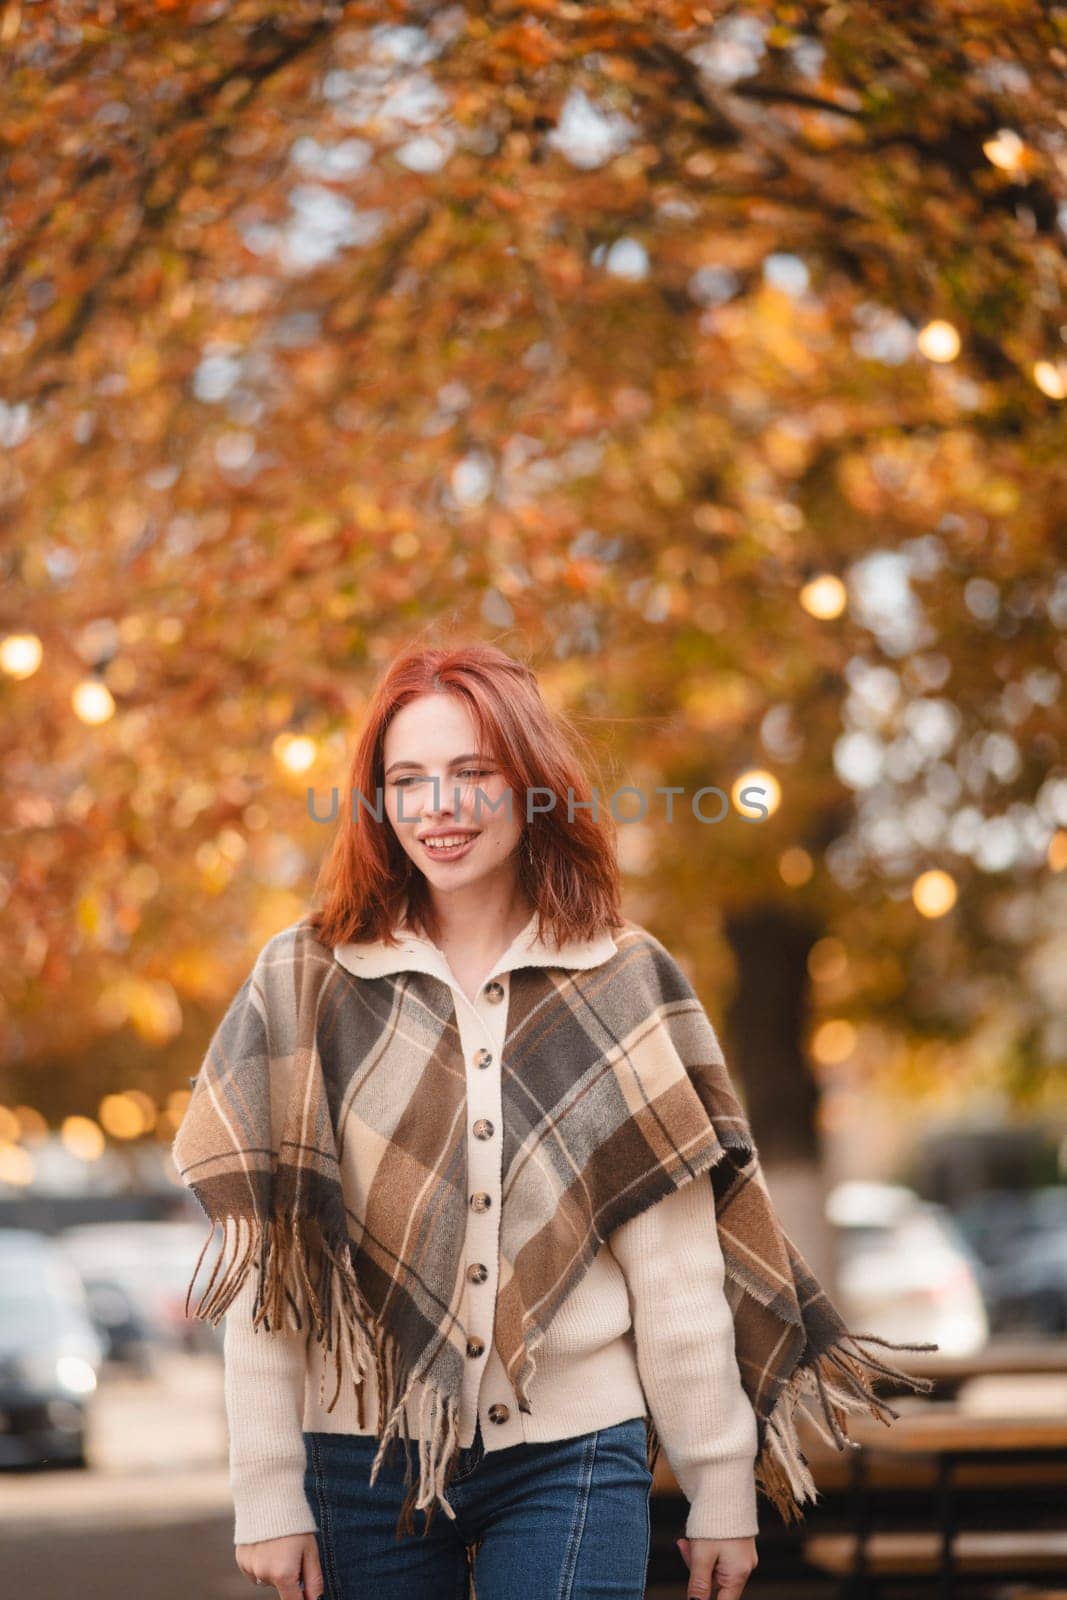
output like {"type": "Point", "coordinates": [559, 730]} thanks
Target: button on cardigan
{"type": "Point", "coordinates": [647, 1330]}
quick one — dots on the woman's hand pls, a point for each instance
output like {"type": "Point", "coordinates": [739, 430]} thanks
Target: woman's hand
{"type": "Point", "coordinates": [725, 1562]}
{"type": "Point", "coordinates": [284, 1562]}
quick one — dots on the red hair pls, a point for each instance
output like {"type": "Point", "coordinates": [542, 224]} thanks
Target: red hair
{"type": "Point", "coordinates": [568, 869]}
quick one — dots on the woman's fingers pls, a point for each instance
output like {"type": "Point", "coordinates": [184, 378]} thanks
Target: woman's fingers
{"type": "Point", "coordinates": [718, 1568]}
{"type": "Point", "coordinates": [314, 1588]}
{"type": "Point", "coordinates": [290, 1564]}
{"type": "Point", "coordinates": [287, 1584]}
{"type": "Point", "coordinates": [699, 1557]}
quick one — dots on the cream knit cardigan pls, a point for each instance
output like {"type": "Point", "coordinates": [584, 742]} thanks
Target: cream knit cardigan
{"type": "Point", "coordinates": [647, 1330]}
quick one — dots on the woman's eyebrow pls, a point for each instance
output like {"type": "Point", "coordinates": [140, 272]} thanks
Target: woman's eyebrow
{"type": "Point", "coordinates": [457, 761]}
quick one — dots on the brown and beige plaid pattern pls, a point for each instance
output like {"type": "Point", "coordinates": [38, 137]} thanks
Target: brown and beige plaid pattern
{"type": "Point", "coordinates": [327, 1133]}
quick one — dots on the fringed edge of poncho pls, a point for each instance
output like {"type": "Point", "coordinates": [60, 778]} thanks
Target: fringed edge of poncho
{"type": "Point", "coordinates": [320, 1271]}
{"type": "Point", "coordinates": [842, 1380]}
{"type": "Point", "coordinates": [841, 1377]}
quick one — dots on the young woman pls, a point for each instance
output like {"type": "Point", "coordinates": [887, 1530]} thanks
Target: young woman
{"type": "Point", "coordinates": [455, 1108]}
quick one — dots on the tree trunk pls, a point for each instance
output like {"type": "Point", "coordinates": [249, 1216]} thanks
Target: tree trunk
{"type": "Point", "coordinates": [766, 1023]}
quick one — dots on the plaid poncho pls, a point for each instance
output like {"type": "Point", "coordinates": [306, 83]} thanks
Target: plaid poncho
{"type": "Point", "coordinates": [327, 1133]}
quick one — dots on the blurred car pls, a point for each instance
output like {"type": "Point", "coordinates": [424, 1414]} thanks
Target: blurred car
{"type": "Point", "coordinates": [138, 1274]}
{"type": "Point", "coordinates": [50, 1353]}
{"type": "Point", "coordinates": [1029, 1295]}
{"type": "Point", "coordinates": [905, 1271]}
{"type": "Point", "coordinates": [1021, 1237]}
{"type": "Point", "coordinates": [121, 1323]}
{"type": "Point", "coordinates": [993, 1222]}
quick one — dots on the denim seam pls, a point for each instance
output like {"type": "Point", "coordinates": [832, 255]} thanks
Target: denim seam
{"type": "Point", "coordinates": [325, 1525]}
{"type": "Point", "coordinates": [648, 1531]}
{"type": "Point", "coordinates": [465, 1574]}
{"type": "Point", "coordinates": [581, 1508]}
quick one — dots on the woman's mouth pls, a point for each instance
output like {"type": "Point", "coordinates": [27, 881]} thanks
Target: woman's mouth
{"type": "Point", "coordinates": [449, 847]}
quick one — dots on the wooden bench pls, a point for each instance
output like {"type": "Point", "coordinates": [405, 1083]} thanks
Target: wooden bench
{"type": "Point", "coordinates": [947, 1438]}
{"type": "Point", "coordinates": [885, 1469]}
{"type": "Point", "coordinates": [1026, 1591]}
{"type": "Point", "coordinates": [832, 1471]}
{"type": "Point", "coordinates": [977, 1552]}
{"type": "Point", "coordinates": [1002, 1355]}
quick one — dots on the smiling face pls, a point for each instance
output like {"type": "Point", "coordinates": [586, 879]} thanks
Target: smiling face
{"type": "Point", "coordinates": [434, 737]}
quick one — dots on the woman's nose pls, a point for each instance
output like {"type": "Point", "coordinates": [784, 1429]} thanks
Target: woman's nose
{"type": "Point", "coordinates": [443, 808]}
{"type": "Point", "coordinates": [443, 803]}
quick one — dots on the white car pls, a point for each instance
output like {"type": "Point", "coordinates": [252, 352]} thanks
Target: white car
{"type": "Point", "coordinates": [50, 1353]}
{"type": "Point", "coordinates": [905, 1271]}
{"type": "Point", "coordinates": [151, 1263]}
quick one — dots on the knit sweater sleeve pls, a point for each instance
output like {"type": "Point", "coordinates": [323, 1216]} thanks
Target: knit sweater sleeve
{"type": "Point", "coordinates": [672, 1260]}
{"type": "Point", "coordinates": [264, 1390]}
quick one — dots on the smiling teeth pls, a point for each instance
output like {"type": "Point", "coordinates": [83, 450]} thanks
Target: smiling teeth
{"type": "Point", "coordinates": [449, 842]}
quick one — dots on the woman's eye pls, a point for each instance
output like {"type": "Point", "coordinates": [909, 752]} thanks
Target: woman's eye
{"type": "Point", "coordinates": [466, 772]}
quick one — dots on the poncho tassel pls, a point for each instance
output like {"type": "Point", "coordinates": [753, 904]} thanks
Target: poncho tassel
{"type": "Point", "coordinates": [438, 1438]}
{"type": "Point", "coordinates": [288, 1259]}
{"type": "Point", "coordinates": [842, 1379]}
{"type": "Point", "coordinates": [343, 1325]}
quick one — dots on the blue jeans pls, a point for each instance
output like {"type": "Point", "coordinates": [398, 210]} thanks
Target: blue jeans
{"type": "Point", "coordinates": [564, 1520]}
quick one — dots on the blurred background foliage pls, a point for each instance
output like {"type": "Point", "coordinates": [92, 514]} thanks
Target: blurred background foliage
{"type": "Point", "coordinates": [710, 357]}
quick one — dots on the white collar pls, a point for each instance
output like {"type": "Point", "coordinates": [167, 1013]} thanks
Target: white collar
{"type": "Point", "coordinates": [416, 953]}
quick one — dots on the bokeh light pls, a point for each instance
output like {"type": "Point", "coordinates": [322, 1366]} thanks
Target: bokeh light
{"type": "Point", "coordinates": [16, 1165]}
{"type": "Point", "coordinates": [939, 341]}
{"type": "Point", "coordinates": [827, 960]}
{"type": "Point", "coordinates": [295, 752]}
{"type": "Point", "coordinates": [824, 597]}
{"type": "Point", "coordinates": [92, 701]}
{"type": "Point", "coordinates": [769, 797]}
{"type": "Point", "coordinates": [21, 654]}
{"type": "Point", "coordinates": [83, 1137]}
{"type": "Point", "coordinates": [1005, 149]}
{"type": "Point", "coordinates": [833, 1042]}
{"type": "Point", "coordinates": [795, 867]}
{"type": "Point", "coordinates": [1051, 378]}
{"type": "Point", "coordinates": [934, 892]}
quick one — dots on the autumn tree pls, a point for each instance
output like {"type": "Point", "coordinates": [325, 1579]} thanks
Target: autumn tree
{"type": "Point", "coordinates": [712, 356]}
